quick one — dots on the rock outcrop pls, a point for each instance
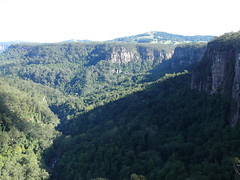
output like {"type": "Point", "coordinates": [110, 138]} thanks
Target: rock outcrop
{"type": "Point", "coordinates": [188, 55]}
{"type": "Point", "coordinates": [184, 57]}
{"type": "Point", "coordinates": [122, 55]}
{"type": "Point", "coordinates": [219, 69]}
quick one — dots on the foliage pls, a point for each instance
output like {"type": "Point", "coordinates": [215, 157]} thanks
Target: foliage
{"type": "Point", "coordinates": [79, 68]}
{"type": "Point", "coordinates": [166, 131]}
{"type": "Point", "coordinates": [26, 130]}
{"type": "Point", "coordinates": [120, 120]}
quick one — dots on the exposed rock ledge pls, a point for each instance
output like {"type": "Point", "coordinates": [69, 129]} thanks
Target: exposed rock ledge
{"type": "Point", "coordinates": [219, 70]}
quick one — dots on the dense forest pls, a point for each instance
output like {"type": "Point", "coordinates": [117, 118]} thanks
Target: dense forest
{"type": "Point", "coordinates": [27, 130]}
{"type": "Point", "coordinates": [166, 131]}
{"type": "Point", "coordinates": [113, 111]}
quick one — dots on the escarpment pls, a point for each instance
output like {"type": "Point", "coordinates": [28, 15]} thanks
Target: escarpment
{"type": "Point", "coordinates": [188, 55]}
{"type": "Point", "coordinates": [121, 55]}
{"type": "Point", "coordinates": [219, 70]}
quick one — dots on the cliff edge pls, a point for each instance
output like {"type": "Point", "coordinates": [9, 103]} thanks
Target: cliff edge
{"type": "Point", "coordinates": [219, 69]}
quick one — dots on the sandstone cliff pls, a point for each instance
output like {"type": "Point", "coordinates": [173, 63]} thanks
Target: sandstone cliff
{"type": "Point", "coordinates": [219, 69]}
{"type": "Point", "coordinates": [142, 54]}
{"type": "Point", "coordinates": [188, 54]}
{"type": "Point", "coordinates": [184, 57]}
{"type": "Point", "coordinates": [122, 55]}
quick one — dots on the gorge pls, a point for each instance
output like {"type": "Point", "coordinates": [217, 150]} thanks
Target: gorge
{"type": "Point", "coordinates": [120, 110]}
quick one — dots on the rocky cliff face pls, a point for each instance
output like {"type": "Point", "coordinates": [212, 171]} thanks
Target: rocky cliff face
{"type": "Point", "coordinates": [123, 55]}
{"type": "Point", "coordinates": [155, 55]}
{"type": "Point", "coordinates": [219, 70]}
{"type": "Point", "coordinates": [188, 55]}
{"type": "Point", "coordinates": [184, 57]}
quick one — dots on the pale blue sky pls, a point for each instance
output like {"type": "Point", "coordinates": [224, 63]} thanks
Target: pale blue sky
{"type": "Point", "coordinates": [58, 20]}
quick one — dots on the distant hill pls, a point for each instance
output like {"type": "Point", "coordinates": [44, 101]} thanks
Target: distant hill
{"type": "Point", "coordinates": [164, 38]}
{"type": "Point", "coordinates": [76, 40]}
{"type": "Point", "coordinates": [5, 45]}
{"type": "Point", "coordinates": [148, 37]}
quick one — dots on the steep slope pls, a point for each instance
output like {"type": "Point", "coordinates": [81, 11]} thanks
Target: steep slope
{"type": "Point", "coordinates": [185, 57]}
{"type": "Point", "coordinates": [163, 38]}
{"type": "Point", "coordinates": [26, 131]}
{"type": "Point", "coordinates": [218, 71]}
{"type": "Point", "coordinates": [166, 131]}
{"type": "Point", "coordinates": [95, 73]}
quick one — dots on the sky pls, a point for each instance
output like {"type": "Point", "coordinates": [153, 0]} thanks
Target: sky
{"type": "Point", "coordinates": [99, 20]}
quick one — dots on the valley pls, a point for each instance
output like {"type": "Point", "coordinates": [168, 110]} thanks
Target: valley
{"type": "Point", "coordinates": [121, 110]}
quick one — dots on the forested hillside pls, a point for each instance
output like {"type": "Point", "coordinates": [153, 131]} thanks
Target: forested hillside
{"type": "Point", "coordinates": [27, 130]}
{"type": "Point", "coordinates": [116, 111]}
{"type": "Point", "coordinates": [166, 131]}
{"type": "Point", "coordinates": [82, 68]}
{"type": "Point", "coordinates": [163, 38]}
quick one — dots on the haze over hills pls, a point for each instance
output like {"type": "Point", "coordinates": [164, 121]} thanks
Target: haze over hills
{"type": "Point", "coordinates": [75, 40]}
{"type": "Point", "coordinates": [5, 45]}
{"type": "Point", "coordinates": [121, 110]}
{"type": "Point", "coordinates": [148, 37]}
{"type": "Point", "coordinates": [164, 38]}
